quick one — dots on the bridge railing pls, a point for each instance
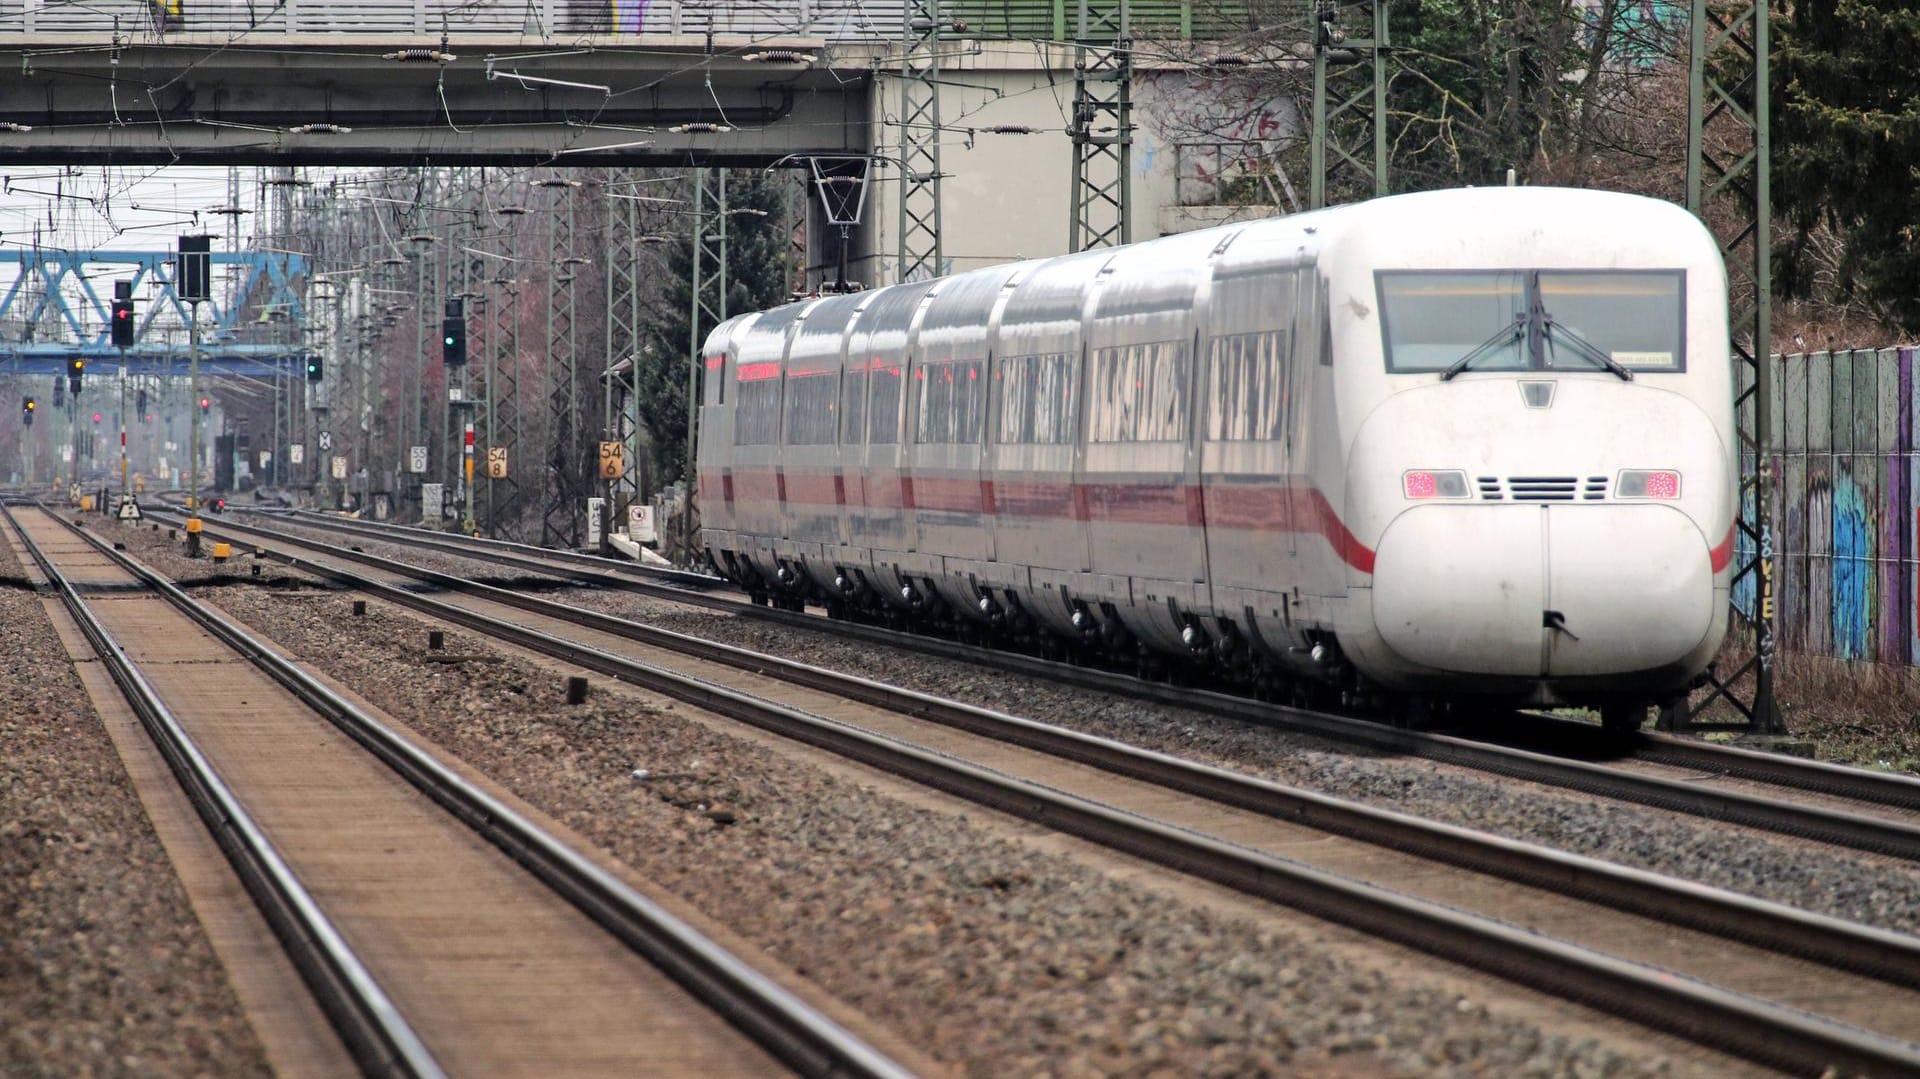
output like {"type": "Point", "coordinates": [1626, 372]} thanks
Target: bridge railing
{"type": "Point", "coordinates": [833, 20]}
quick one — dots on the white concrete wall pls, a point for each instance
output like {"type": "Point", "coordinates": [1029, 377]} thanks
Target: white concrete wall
{"type": "Point", "coordinates": [1006, 197]}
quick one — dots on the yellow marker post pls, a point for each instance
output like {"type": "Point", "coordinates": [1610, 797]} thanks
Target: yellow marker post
{"type": "Point", "coordinates": [193, 537]}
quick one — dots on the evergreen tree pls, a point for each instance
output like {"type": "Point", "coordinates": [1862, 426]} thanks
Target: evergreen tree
{"type": "Point", "coordinates": [1847, 153]}
{"type": "Point", "coordinates": [756, 280]}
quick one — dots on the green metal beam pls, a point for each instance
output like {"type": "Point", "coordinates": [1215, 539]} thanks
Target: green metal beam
{"type": "Point", "coordinates": [1102, 126]}
{"type": "Point", "coordinates": [1729, 187]}
{"type": "Point", "coordinates": [1347, 139]}
{"type": "Point", "coordinates": [919, 132]}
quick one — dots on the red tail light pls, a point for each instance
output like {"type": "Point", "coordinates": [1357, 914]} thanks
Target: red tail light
{"type": "Point", "coordinates": [1427, 483]}
{"type": "Point", "coordinates": [1662, 483]}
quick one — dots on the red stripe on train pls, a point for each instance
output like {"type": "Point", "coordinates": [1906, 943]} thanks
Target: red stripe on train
{"type": "Point", "coordinates": [1722, 554]}
{"type": "Point", "coordinates": [1265, 507]}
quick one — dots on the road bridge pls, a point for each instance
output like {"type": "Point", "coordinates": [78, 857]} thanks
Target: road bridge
{"type": "Point", "coordinates": [405, 83]}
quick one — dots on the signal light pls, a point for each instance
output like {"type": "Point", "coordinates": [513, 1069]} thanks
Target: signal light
{"type": "Point", "coordinates": [453, 334]}
{"type": "Point", "coordinates": [192, 272]}
{"type": "Point", "coordinates": [76, 366]}
{"type": "Point", "coordinates": [96, 417]}
{"type": "Point", "coordinates": [314, 370]}
{"type": "Point", "coordinates": [122, 322]}
{"type": "Point", "coordinates": [205, 404]}
{"type": "Point", "coordinates": [27, 406]}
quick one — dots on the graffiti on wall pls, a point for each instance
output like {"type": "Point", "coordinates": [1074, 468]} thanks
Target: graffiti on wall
{"type": "Point", "coordinates": [1846, 482]}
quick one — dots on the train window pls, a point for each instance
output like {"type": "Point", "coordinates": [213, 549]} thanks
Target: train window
{"type": "Point", "coordinates": [1431, 318]}
{"type": "Point", "coordinates": [756, 411]}
{"type": "Point", "coordinates": [953, 401]}
{"type": "Point", "coordinates": [1637, 318]}
{"type": "Point", "coordinates": [884, 420]}
{"type": "Point", "coordinates": [1250, 387]}
{"type": "Point", "coordinates": [1138, 393]}
{"type": "Point", "coordinates": [853, 404]}
{"type": "Point", "coordinates": [1036, 399]}
{"type": "Point", "coordinates": [812, 403]}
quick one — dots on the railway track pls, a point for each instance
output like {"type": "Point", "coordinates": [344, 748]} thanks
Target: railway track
{"type": "Point", "coordinates": [1668, 954]}
{"type": "Point", "coordinates": [1865, 810]}
{"type": "Point", "coordinates": [393, 881]}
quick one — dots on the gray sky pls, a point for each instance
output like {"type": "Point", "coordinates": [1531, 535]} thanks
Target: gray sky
{"type": "Point", "coordinates": [116, 207]}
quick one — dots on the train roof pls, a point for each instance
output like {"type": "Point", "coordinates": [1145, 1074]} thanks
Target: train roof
{"type": "Point", "coordinates": [1535, 222]}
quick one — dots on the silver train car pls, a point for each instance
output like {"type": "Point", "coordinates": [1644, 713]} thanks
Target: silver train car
{"type": "Point", "coordinates": [1461, 444]}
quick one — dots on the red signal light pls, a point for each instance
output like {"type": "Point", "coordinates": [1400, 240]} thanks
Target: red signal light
{"type": "Point", "coordinates": [205, 403]}
{"type": "Point", "coordinates": [96, 417]}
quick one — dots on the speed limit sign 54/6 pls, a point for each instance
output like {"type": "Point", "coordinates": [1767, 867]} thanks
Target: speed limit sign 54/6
{"type": "Point", "coordinates": [613, 460]}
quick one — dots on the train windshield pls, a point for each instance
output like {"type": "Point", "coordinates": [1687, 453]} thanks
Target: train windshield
{"type": "Point", "coordinates": [1636, 318]}
{"type": "Point", "coordinates": [1431, 320]}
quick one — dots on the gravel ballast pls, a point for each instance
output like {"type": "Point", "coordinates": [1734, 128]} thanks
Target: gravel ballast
{"type": "Point", "coordinates": [104, 969]}
{"type": "Point", "coordinates": [983, 952]}
{"type": "Point", "coordinates": [1860, 887]}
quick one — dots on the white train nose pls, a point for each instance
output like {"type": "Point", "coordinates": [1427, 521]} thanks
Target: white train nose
{"type": "Point", "coordinates": [1539, 590]}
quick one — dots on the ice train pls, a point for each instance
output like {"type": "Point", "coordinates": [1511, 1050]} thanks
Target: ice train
{"type": "Point", "coordinates": [1460, 444]}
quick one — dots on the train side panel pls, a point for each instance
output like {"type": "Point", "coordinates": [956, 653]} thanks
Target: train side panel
{"type": "Point", "coordinates": [814, 479]}
{"type": "Point", "coordinates": [1139, 470]}
{"type": "Point", "coordinates": [880, 521]}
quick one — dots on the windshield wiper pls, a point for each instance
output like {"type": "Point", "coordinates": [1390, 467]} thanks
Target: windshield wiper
{"type": "Point", "coordinates": [1504, 336]}
{"type": "Point", "coordinates": [1586, 348]}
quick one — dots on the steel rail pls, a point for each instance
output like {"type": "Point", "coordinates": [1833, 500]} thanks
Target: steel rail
{"type": "Point", "coordinates": [1832, 826]}
{"type": "Point", "coordinates": [1859, 784]}
{"type": "Point", "coordinates": [789, 1028]}
{"type": "Point", "coordinates": [524, 554]}
{"type": "Point", "coordinates": [1848, 946]}
{"type": "Point", "coordinates": [378, 1036]}
{"type": "Point", "coordinates": [1759, 1030]}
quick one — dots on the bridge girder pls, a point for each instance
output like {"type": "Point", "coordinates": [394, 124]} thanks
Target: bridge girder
{"type": "Point", "coordinates": [205, 99]}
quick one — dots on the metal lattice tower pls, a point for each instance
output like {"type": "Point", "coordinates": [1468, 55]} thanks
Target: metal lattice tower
{"type": "Point", "coordinates": [499, 424]}
{"type": "Point", "coordinates": [1729, 186]}
{"type": "Point", "coordinates": [563, 518]}
{"type": "Point", "coordinates": [1102, 127]}
{"type": "Point", "coordinates": [707, 308]}
{"type": "Point", "coordinates": [1350, 78]}
{"type": "Point", "coordinates": [624, 229]}
{"type": "Point", "coordinates": [465, 273]}
{"type": "Point", "coordinates": [919, 253]}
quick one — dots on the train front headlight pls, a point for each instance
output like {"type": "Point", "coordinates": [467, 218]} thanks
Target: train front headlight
{"type": "Point", "coordinates": [1662, 483]}
{"type": "Point", "coordinates": [1427, 483]}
